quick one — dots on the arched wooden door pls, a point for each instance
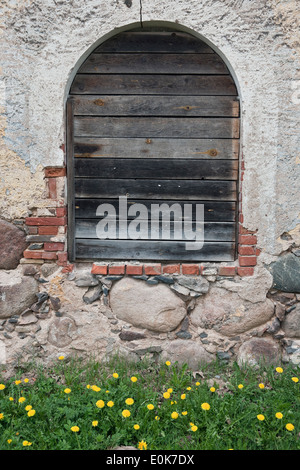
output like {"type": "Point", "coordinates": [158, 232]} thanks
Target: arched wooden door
{"type": "Point", "coordinates": [153, 118]}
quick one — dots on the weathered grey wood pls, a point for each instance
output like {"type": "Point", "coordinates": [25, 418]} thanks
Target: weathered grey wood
{"type": "Point", "coordinates": [156, 148]}
{"type": "Point", "coordinates": [156, 169]}
{"type": "Point", "coordinates": [154, 63]}
{"type": "Point", "coordinates": [153, 250]}
{"type": "Point", "coordinates": [219, 231]}
{"type": "Point", "coordinates": [70, 180]}
{"type": "Point", "coordinates": [154, 42]}
{"type": "Point", "coordinates": [135, 84]}
{"type": "Point", "coordinates": [122, 105]}
{"type": "Point", "coordinates": [150, 127]}
{"type": "Point", "coordinates": [156, 189]}
{"type": "Point", "coordinates": [213, 211]}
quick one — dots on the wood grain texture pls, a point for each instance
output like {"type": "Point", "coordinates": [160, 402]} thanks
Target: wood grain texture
{"type": "Point", "coordinates": [134, 84]}
{"type": "Point", "coordinates": [98, 147]}
{"type": "Point", "coordinates": [153, 250]}
{"type": "Point", "coordinates": [154, 189]}
{"type": "Point", "coordinates": [136, 105]}
{"type": "Point", "coordinates": [110, 168]}
{"type": "Point", "coordinates": [149, 127]}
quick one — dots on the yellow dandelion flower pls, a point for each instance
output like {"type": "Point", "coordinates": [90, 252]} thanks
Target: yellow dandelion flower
{"type": "Point", "coordinates": [17, 382]}
{"type": "Point", "coordinates": [95, 388]}
{"type": "Point", "coordinates": [110, 404]}
{"type": "Point", "coordinates": [205, 406]}
{"type": "Point", "coordinates": [279, 370]}
{"type": "Point", "coordinates": [184, 413]}
{"type": "Point", "coordinates": [260, 417]}
{"type": "Point", "coordinates": [189, 388]}
{"type": "Point", "coordinates": [26, 443]}
{"type": "Point", "coordinates": [142, 445]}
{"type": "Point", "coordinates": [31, 413]}
{"type": "Point", "coordinates": [150, 406]}
{"type": "Point", "coordinates": [157, 418]}
{"type": "Point", "coordinates": [279, 415]}
{"type": "Point", "coordinates": [28, 407]}
{"type": "Point", "coordinates": [11, 399]}
{"type": "Point", "coordinates": [106, 391]}
{"type": "Point", "coordinates": [88, 386]}
{"type": "Point", "coordinates": [133, 379]}
{"type": "Point", "coordinates": [240, 386]}
{"type": "Point", "coordinates": [75, 428]}
{"type": "Point", "coordinates": [295, 379]}
{"type": "Point", "coordinates": [194, 428]}
{"type": "Point", "coordinates": [261, 386]}
{"type": "Point", "coordinates": [22, 399]}
{"type": "Point", "coordinates": [94, 423]}
{"type": "Point", "coordinates": [100, 404]}
{"type": "Point", "coordinates": [197, 384]}
{"type": "Point", "coordinates": [1, 416]}
{"type": "Point", "coordinates": [166, 395]}
{"type": "Point", "coordinates": [67, 390]}
{"type": "Point", "coordinates": [129, 401]}
{"type": "Point", "coordinates": [183, 396]}
{"type": "Point", "coordinates": [136, 426]}
{"type": "Point", "coordinates": [9, 441]}
{"type": "Point", "coordinates": [170, 390]}
{"type": "Point", "coordinates": [290, 427]}
{"type": "Point", "coordinates": [61, 358]}
{"type": "Point", "coordinates": [2, 386]}
{"type": "Point", "coordinates": [126, 413]}
{"type": "Point", "coordinates": [168, 363]}
{"type": "Point", "coordinates": [174, 415]}
{"type": "Point", "coordinates": [115, 375]}
{"type": "Point", "coordinates": [212, 389]}
{"type": "Point", "coordinates": [26, 380]}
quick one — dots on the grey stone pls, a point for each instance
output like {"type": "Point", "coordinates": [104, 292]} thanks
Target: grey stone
{"type": "Point", "coordinates": [62, 331]}
{"type": "Point", "coordinates": [92, 294]}
{"type": "Point", "coordinates": [196, 284]}
{"type": "Point", "coordinates": [291, 323]}
{"type": "Point", "coordinates": [165, 279]}
{"type": "Point", "coordinates": [186, 351]}
{"type": "Point", "coordinates": [183, 334]}
{"type": "Point", "coordinates": [128, 335]}
{"type": "Point", "coordinates": [17, 293]}
{"type": "Point", "coordinates": [155, 308]}
{"type": "Point", "coordinates": [86, 280]}
{"type": "Point", "coordinates": [259, 350]}
{"type": "Point", "coordinates": [286, 273]}
{"type": "Point", "coordinates": [12, 244]}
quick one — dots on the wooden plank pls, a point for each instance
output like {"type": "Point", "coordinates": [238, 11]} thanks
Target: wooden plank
{"type": "Point", "coordinates": [153, 250]}
{"type": "Point", "coordinates": [156, 148]}
{"type": "Point", "coordinates": [154, 63]}
{"type": "Point", "coordinates": [150, 127]}
{"type": "Point", "coordinates": [135, 84]}
{"type": "Point", "coordinates": [156, 168]}
{"type": "Point", "coordinates": [154, 42]}
{"type": "Point", "coordinates": [156, 189]}
{"type": "Point", "coordinates": [213, 211]}
{"type": "Point", "coordinates": [120, 105]}
{"type": "Point", "coordinates": [219, 231]}
{"type": "Point", "coordinates": [70, 180]}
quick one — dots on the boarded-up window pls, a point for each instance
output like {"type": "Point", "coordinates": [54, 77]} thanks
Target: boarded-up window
{"type": "Point", "coordinates": [153, 118]}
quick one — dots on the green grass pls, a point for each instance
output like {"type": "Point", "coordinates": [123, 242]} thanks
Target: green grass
{"type": "Point", "coordinates": [230, 422]}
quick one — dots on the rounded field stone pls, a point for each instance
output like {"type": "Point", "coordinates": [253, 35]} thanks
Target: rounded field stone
{"type": "Point", "coordinates": [12, 244]}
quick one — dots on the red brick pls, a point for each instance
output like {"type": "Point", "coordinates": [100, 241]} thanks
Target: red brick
{"type": "Point", "coordinates": [61, 211]}
{"type": "Point", "coordinates": [227, 270]}
{"type": "Point", "coordinates": [32, 230]}
{"type": "Point", "coordinates": [99, 269]}
{"type": "Point", "coordinates": [68, 269]}
{"type": "Point", "coordinates": [54, 246]}
{"type": "Point", "coordinates": [52, 188]}
{"type": "Point", "coordinates": [33, 254]}
{"type": "Point", "coordinates": [62, 257]}
{"type": "Point", "coordinates": [49, 255]}
{"type": "Point", "coordinates": [245, 271]}
{"type": "Point", "coordinates": [116, 269]}
{"type": "Point", "coordinates": [52, 230]}
{"type": "Point", "coordinates": [247, 260]}
{"type": "Point", "coordinates": [171, 269]}
{"type": "Point", "coordinates": [152, 269]}
{"type": "Point", "coordinates": [247, 239]}
{"type": "Point", "coordinates": [134, 270]}
{"type": "Point", "coordinates": [54, 172]}
{"type": "Point", "coordinates": [247, 250]}
{"type": "Point", "coordinates": [46, 221]}
{"type": "Point", "coordinates": [257, 251]}
{"type": "Point", "coordinates": [190, 269]}
{"type": "Point", "coordinates": [245, 231]}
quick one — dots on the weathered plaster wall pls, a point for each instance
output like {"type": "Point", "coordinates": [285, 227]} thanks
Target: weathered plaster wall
{"type": "Point", "coordinates": [43, 42]}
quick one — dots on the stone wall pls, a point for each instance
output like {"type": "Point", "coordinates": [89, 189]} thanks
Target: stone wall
{"type": "Point", "coordinates": [247, 310]}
